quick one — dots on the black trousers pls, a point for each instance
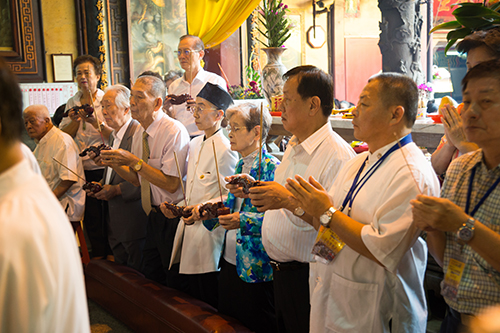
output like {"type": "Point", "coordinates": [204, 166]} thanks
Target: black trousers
{"type": "Point", "coordinates": [251, 303]}
{"type": "Point", "coordinates": [158, 250]}
{"type": "Point", "coordinates": [291, 299]}
{"type": "Point", "coordinates": [452, 322]}
{"type": "Point", "coordinates": [201, 286]}
{"type": "Point", "coordinates": [93, 220]}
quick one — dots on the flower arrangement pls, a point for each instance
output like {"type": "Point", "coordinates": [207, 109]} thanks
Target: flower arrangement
{"type": "Point", "coordinates": [424, 91]}
{"type": "Point", "coordinates": [253, 89]}
{"type": "Point", "coordinates": [470, 17]}
{"type": "Point", "coordinates": [275, 22]}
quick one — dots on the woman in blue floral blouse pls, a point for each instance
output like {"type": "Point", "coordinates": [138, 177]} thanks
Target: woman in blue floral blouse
{"type": "Point", "coordinates": [245, 281]}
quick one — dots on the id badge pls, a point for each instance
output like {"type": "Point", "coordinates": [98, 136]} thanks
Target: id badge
{"type": "Point", "coordinates": [327, 245]}
{"type": "Point", "coordinates": [452, 278]}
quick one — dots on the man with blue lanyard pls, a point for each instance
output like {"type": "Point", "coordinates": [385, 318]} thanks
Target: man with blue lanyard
{"type": "Point", "coordinates": [369, 271]}
{"type": "Point", "coordinates": [463, 226]}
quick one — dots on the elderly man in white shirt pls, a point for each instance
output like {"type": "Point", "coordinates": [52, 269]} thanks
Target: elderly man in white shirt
{"type": "Point", "coordinates": [314, 150]}
{"type": "Point", "coordinates": [190, 52]}
{"type": "Point", "coordinates": [41, 276]}
{"type": "Point", "coordinates": [151, 165]}
{"type": "Point", "coordinates": [373, 283]}
{"type": "Point", "coordinates": [52, 144]}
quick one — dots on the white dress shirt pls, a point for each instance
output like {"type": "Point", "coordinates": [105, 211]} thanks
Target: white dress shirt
{"type": "Point", "coordinates": [181, 86]}
{"type": "Point", "coordinates": [117, 141]}
{"type": "Point", "coordinates": [199, 248]}
{"type": "Point", "coordinates": [59, 145]}
{"type": "Point", "coordinates": [165, 136]}
{"type": "Point", "coordinates": [285, 236]}
{"type": "Point", "coordinates": [90, 136]}
{"type": "Point", "coordinates": [41, 276]}
{"type": "Point", "coordinates": [354, 293]}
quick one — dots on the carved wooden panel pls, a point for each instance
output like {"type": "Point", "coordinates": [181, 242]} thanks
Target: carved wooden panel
{"type": "Point", "coordinates": [118, 42]}
{"type": "Point", "coordinates": [26, 59]}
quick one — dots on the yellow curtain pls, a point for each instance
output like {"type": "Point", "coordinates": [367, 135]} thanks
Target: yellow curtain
{"type": "Point", "coordinates": [215, 20]}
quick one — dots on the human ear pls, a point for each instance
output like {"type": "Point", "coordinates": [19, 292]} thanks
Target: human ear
{"type": "Point", "coordinates": [398, 113]}
{"type": "Point", "coordinates": [315, 105]}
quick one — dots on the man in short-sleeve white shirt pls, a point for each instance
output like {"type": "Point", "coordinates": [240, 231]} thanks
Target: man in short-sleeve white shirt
{"type": "Point", "coordinates": [157, 176]}
{"type": "Point", "coordinates": [314, 150]}
{"type": "Point", "coordinates": [375, 283]}
{"type": "Point", "coordinates": [41, 277]}
{"type": "Point", "coordinates": [52, 143]}
{"type": "Point", "coordinates": [190, 52]}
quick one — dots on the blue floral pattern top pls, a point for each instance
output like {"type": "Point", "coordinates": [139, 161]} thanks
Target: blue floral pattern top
{"type": "Point", "coordinates": [252, 261]}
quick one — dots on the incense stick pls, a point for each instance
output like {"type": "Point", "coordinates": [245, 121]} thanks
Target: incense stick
{"type": "Point", "coordinates": [71, 170]}
{"type": "Point", "coordinates": [217, 168]}
{"type": "Point", "coordinates": [180, 178]}
{"type": "Point", "coordinates": [408, 165]}
{"type": "Point", "coordinates": [260, 139]}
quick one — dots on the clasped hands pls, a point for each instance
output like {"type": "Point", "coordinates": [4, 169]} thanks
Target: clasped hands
{"type": "Point", "coordinates": [228, 222]}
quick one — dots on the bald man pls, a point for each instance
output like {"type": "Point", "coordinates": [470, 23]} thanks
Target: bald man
{"type": "Point", "coordinates": [54, 143]}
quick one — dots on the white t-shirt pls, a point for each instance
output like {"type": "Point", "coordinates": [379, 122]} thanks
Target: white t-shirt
{"type": "Point", "coordinates": [166, 136]}
{"type": "Point", "coordinates": [41, 276]}
{"type": "Point", "coordinates": [59, 145]}
{"type": "Point", "coordinates": [88, 136]}
{"type": "Point", "coordinates": [181, 86]}
{"type": "Point", "coordinates": [355, 294]}
{"type": "Point", "coordinates": [285, 236]}
{"type": "Point", "coordinates": [201, 248]}
{"type": "Point", "coordinates": [28, 155]}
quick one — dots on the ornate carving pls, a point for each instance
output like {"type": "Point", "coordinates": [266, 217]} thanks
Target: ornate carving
{"type": "Point", "coordinates": [118, 45]}
{"type": "Point", "coordinates": [400, 37]}
{"type": "Point", "coordinates": [28, 64]}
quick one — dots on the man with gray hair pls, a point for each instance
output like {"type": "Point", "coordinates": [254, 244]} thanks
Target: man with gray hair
{"type": "Point", "coordinates": [123, 214]}
{"type": "Point", "coordinates": [52, 143]}
{"type": "Point", "coordinates": [152, 166]}
{"type": "Point", "coordinates": [190, 53]}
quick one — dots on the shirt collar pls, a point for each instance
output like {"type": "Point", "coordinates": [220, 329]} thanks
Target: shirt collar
{"type": "Point", "coordinates": [200, 76]}
{"type": "Point", "coordinates": [157, 116]}
{"type": "Point", "coordinates": [47, 136]}
{"type": "Point", "coordinates": [314, 140]}
{"type": "Point", "coordinates": [121, 132]}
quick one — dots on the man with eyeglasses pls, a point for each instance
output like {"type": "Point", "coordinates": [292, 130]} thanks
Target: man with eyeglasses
{"type": "Point", "coordinates": [190, 53]}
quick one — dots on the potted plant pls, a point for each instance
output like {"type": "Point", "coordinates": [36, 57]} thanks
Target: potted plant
{"type": "Point", "coordinates": [275, 28]}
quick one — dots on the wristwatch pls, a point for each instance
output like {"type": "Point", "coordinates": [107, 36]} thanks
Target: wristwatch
{"type": "Point", "coordinates": [138, 166]}
{"type": "Point", "coordinates": [326, 217]}
{"type": "Point", "coordinates": [466, 231]}
{"type": "Point", "coordinates": [299, 212]}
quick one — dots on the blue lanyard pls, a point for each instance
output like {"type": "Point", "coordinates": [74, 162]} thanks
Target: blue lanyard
{"type": "Point", "coordinates": [358, 184]}
{"type": "Point", "coordinates": [483, 199]}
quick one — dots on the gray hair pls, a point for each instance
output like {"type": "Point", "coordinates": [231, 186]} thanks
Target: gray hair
{"type": "Point", "coordinates": [156, 86]}
{"type": "Point", "coordinates": [40, 110]}
{"type": "Point", "coordinates": [122, 97]}
{"type": "Point", "coordinates": [198, 43]}
{"type": "Point", "coordinates": [251, 115]}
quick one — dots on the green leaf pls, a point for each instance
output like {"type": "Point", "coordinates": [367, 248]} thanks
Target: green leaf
{"type": "Point", "coordinates": [474, 23]}
{"type": "Point", "coordinates": [458, 33]}
{"type": "Point", "coordinates": [450, 44]}
{"type": "Point", "coordinates": [446, 26]}
{"type": "Point", "coordinates": [479, 11]}
{"type": "Point", "coordinates": [495, 6]}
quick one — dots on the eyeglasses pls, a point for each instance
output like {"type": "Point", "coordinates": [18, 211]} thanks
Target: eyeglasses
{"type": "Point", "coordinates": [234, 129]}
{"type": "Point", "coordinates": [198, 109]}
{"type": "Point", "coordinates": [186, 52]}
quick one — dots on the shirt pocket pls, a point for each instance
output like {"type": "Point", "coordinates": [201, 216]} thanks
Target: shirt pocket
{"type": "Point", "coordinates": [351, 306]}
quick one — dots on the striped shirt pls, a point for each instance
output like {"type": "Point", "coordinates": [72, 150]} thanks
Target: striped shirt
{"type": "Point", "coordinates": [285, 236]}
{"type": "Point", "coordinates": [480, 283]}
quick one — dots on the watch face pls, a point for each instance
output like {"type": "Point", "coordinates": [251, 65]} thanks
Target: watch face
{"type": "Point", "coordinates": [299, 211]}
{"type": "Point", "coordinates": [324, 219]}
{"type": "Point", "coordinates": [465, 234]}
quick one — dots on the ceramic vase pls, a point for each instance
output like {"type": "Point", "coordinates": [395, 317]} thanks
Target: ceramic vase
{"type": "Point", "coordinates": [272, 73]}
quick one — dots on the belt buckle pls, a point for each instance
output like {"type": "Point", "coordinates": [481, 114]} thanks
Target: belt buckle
{"type": "Point", "coordinates": [275, 264]}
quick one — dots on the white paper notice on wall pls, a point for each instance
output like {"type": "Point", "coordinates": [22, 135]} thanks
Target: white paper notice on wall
{"type": "Point", "coordinates": [52, 95]}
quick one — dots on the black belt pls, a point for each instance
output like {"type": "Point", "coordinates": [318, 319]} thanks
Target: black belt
{"type": "Point", "coordinates": [464, 318]}
{"type": "Point", "coordinates": [155, 209]}
{"type": "Point", "coordinates": [288, 266]}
